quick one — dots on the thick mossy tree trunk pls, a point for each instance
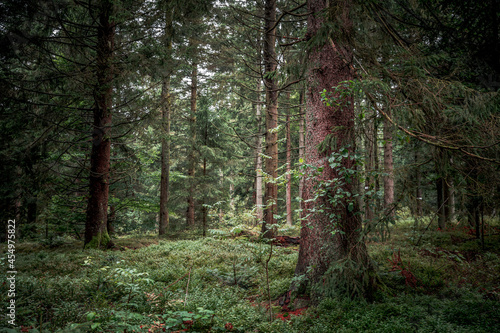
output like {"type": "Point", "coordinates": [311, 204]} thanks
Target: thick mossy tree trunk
{"type": "Point", "coordinates": [96, 233]}
{"type": "Point", "coordinates": [271, 163]}
{"type": "Point", "coordinates": [332, 254]}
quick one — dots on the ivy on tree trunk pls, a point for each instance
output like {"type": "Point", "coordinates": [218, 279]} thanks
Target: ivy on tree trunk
{"type": "Point", "coordinates": [331, 229]}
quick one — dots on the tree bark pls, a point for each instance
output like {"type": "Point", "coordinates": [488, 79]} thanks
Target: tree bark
{"type": "Point", "coordinates": [204, 208]}
{"type": "Point", "coordinates": [166, 108]}
{"type": "Point", "coordinates": [301, 142]}
{"type": "Point", "coordinates": [288, 169]}
{"type": "Point", "coordinates": [258, 159]}
{"type": "Point", "coordinates": [111, 220]}
{"type": "Point", "coordinates": [271, 163]}
{"type": "Point", "coordinates": [418, 175]}
{"type": "Point", "coordinates": [440, 203]}
{"type": "Point", "coordinates": [451, 216]}
{"type": "Point", "coordinates": [327, 241]}
{"type": "Point", "coordinates": [96, 233]}
{"type": "Point", "coordinates": [192, 154]}
{"type": "Point", "coordinates": [369, 169]}
{"type": "Point", "coordinates": [221, 212]}
{"type": "Point", "coordinates": [446, 200]}
{"type": "Point", "coordinates": [388, 168]}
{"type": "Point", "coordinates": [376, 165]}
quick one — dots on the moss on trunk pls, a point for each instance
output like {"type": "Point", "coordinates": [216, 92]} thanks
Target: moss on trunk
{"type": "Point", "coordinates": [99, 241]}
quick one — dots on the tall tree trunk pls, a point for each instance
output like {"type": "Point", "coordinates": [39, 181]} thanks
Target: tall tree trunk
{"type": "Point", "coordinates": [327, 241]}
{"type": "Point", "coordinates": [418, 175]}
{"type": "Point", "coordinates": [96, 233]}
{"type": "Point", "coordinates": [473, 198]}
{"type": "Point", "coordinates": [271, 164]}
{"type": "Point", "coordinates": [111, 220]}
{"type": "Point", "coordinates": [204, 208]}
{"type": "Point", "coordinates": [376, 164]}
{"type": "Point", "coordinates": [451, 216]}
{"type": "Point", "coordinates": [369, 169]}
{"type": "Point", "coordinates": [165, 157]}
{"type": "Point", "coordinates": [388, 167]}
{"type": "Point", "coordinates": [440, 203]}
{"type": "Point", "coordinates": [288, 168]}
{"type": "Point", "coordinates": [446, 200]}
{"type": "Point", "coordinates": [301, 142]}
{"type": "Point", "coordinates": [221, 212]}
{"type": "Point", "coordinates": [231, 195]}
{"type": "Point", "coordinates": [258, 159]}
{"type": "Point", "coordinates": [192, 153]}
{"type": "Point", "coordinates": [442, 188]}
{"type": "Point", "coordinates": [166, 108]}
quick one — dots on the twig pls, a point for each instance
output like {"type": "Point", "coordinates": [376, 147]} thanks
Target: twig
{"type": "Point", "coordinates": [182, 277]}
{"type": "Point", "coordinates": [187, 286]}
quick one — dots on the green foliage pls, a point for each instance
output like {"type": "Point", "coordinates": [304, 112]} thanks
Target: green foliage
{"type": "Point", "coordinates": [66, 289]}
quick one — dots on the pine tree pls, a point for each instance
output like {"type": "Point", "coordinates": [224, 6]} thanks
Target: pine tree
{"type": "Point", "coordinates": [331, 230]}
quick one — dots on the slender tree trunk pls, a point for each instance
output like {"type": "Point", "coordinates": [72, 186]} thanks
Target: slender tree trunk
{"type": "Point", "coordinates": [388, 167]}
{"type": "Point", "coordinates": [440, 203]}
{"type": "Point", "coordinates": [96, 233]}
{"type": "Point", "coordinates": [301, 142]}
{"type": "Point", "coordinates": [451, 200]}
{"type": "Point", "coordinates": [271, 163]}
{"type": "Point", "coordinates": [111, 220]}
{"type": "Point", "coordinates": [31, 214]}
{"type": "Point", "coordinates": [166, 108]}
{"type": "Point", "coordinates": [288, 168]}
{"type": "Point", "coordinates": [327, 241]}
{"type": "Point", "coordinates": [473, 198]}
{"type": "Point", "coordinates": [203, 208]}
{"type": "Point", "coordinates": [258, 159]}
{"type": "Point", "coordinates": [369, 168]}
{"type": "Point", "coordinates": [376, 164]}
{"type": "Point", "coordinates": [419, 199]}
{"type": "Point", "coordinates": [165, 157]}
{"type": "Point", "coordinates": [221, 212]}
{"type": "Point", "coordinates": [192, 154]}
{"type": "Point", "coordinates": [446, 201]}
{"type": "Point", "coordinates": [231, 194]}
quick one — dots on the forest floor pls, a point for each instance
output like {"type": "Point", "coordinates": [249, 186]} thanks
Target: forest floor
{"type": "Point", "coordinates": [449, 282]}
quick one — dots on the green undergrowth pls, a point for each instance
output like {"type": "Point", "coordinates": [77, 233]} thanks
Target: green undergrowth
{"type": "Point", "coordinates": [448, 283]}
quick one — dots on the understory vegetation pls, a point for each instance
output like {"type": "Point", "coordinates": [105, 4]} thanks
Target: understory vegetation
{"type": "Point", "coordinates": [162, 160]}
{"type": "Point", "coordinates": [448, 283]}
